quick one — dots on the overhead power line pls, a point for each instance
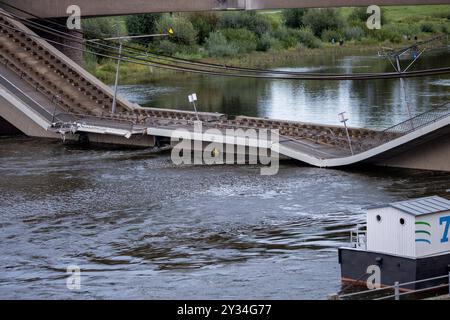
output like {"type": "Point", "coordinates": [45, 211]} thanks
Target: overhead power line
{"type": "Point", "coordinates": [268, 74]}
{"type": "Point", "coordinates": [162, 57]}
{"type": "Point", "coordinates": [159, 57]}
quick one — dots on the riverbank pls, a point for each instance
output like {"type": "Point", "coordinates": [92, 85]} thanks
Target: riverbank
{"type": "Point", "coordinates": [263, 39]}
{"type": "Point", "coordinates": [279, 58]}
{"type": "Point", "coordinates": [131, 73]}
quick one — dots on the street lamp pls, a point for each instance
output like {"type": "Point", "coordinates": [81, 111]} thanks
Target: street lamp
{"type": "Point", "coordinates": [192, 98]}
{"type": "Point", "coordinates": [344, 119]}
{"type": "Point", "coordinates": [121, 39]}
{"type": "Point", "coordinates": [116, 82]}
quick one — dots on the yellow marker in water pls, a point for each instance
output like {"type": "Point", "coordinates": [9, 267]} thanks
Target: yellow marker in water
{"type": "Point", "coordinates": [215, 152]}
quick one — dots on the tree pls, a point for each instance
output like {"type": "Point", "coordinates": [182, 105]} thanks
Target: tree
{"type": "Point", "coordinates": [184, 32]}
{"type": "Point", "coordinates": [140, 24]}
{"type": "Point", "coordinates": [320, 20]}
{"type": "Point", "coordinates": [293, 17]}
{"type": "Point", "coordinates": [242, 39]}
{"type": "Point", "coordinates": [217, 45]}
{"type": "Point", "coordinates": [95, 28]}
{"type": "Point", "coordinates": [249, 20]}
{"type": "Point", "coordinates": [360, 15]}
{"type": "Point", "coordinates": [204, 23]}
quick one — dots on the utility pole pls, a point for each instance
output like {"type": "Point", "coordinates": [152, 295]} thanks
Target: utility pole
{"type": "Point", "coordinates": [113, 109]}
{"type": "Point", "coordinates": [116, 82]}
{"type": "Point", "coordinates": [121, 40]}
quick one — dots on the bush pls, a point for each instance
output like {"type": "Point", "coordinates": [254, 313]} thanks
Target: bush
{"type": "Point", "coordinates": [274, 20]}
{"type": "Point", "coordinates": [442, 15]}
{"type": "Point", "coordinates": [409, 30]}
{"type": "Point", "coordinates": [287, 37]}
{"type": "Point", "coordinates": [320, 20]}
{"type": "Point", "coordinates": [428, 27]}
{"type": "Point", "coordinates": [242, 39]}
{"type": "Point", "coordinates": [204, 23]}
{"type": "Point", "coordinates": [329, 35]}
{"type": "Point", "coordinates": [293, 17]}
{"type": "Point", "coordinates": [99, 28]}
{"type": "Point", "coordinates": [387, 33]}
{"type": "Point", "coordinates": [90, 62]}
{"type": "Point", "coordinates": [360, 15]}
{"type": "Point", "coordinates": [184, 32]}
{"type": "Point", "coordinates": [307, 38]}
{"type": "Point", "coordinates": [217, 45]}
{"type": "Point", "coordinates": [167, 47]}
{"type": "Point", "coordinates": [353, 33]}
{"type": "Point", "coordinates": [267, 42]}
{"type": "Point", "coordinates": [249, 20]}
{"type": "Point", "coordinates": [445, 28]}
{"type": "Point", "coordinates": [140, 24]}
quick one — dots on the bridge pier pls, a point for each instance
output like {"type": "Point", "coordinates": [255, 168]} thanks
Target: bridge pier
{"type": "Point", "coordinates": [70, 48]}
{"type": "Point", "coordinates": [432, 155]}
{"type": "Point", "coordinates": [7, 129]}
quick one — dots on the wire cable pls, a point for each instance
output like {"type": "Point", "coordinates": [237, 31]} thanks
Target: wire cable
{"type": "Point", "coordinates": [162, 57]}
{"type": "Point", "coordinates": [267, 75]}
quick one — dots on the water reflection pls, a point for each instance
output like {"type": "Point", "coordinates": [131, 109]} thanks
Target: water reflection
{"type": "Point", "coordinates": [374, 103]}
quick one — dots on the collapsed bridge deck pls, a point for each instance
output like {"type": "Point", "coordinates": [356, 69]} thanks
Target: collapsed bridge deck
{"type": "Point", "coordinates": [44, 93]}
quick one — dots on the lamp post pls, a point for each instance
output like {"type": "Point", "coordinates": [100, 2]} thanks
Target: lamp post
{"type": "Point", "coordinates": [113, 109]}
{"type": "Point", "coordinates": [192, 98]}
{"type": "Point", "coordinates": [116, 82]}
{"type": "Point", "coordinates": [121, 40]}
{"type": "Point", "coordinates": [343, 119]}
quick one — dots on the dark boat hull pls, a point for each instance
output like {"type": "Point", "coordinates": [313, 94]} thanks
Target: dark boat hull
{"type": "Point", "coordinates": [354, 264]}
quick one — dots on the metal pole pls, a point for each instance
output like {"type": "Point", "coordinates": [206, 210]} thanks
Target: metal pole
{"type": "Point", "coordinates": [403, 90]}
{"type": "Point", "coordinates": [397, 290]}
{"type": "Point", "coordinates": [54, 110]}
{"type": "Point", "coordinates": [113, 110]}
{"type": "Point", "coordinates": [195, 109]}
{"type": "Point", "coordinates": [348, 138]}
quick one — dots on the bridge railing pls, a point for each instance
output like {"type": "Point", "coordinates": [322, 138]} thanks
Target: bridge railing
{"type": "Point", "coordinates": [101, 121]}
{"type": "Point", "coordinates": [400, 129]}
{"type": "Point", "coordinates": [439, 285]}
{"type": "Point", "coordinates": [34, 105]}
{"type": "Point", "coordinates": [420, 120]}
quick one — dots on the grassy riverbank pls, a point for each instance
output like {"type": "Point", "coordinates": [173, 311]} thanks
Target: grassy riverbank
{"type": "Point", "coordinates": [140, 74]}
{"type": "Point", "coordinates": [269, 38]}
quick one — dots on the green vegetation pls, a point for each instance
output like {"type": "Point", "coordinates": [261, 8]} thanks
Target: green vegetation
{"type": "Point", "coordinates": [230, 36]}
{"type": "Point", "coordinates": [140, 24]}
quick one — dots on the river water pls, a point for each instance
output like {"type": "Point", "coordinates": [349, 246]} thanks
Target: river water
{"type": "Point", "coordinates": [141, 227]}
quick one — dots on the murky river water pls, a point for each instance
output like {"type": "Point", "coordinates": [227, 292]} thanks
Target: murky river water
{"type": "Point", "coordinates": [140, 227]}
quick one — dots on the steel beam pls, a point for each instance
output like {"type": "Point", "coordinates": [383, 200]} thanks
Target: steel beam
{"type": "Point", "coordinates": [89, 8]}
